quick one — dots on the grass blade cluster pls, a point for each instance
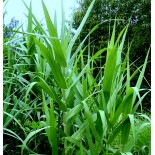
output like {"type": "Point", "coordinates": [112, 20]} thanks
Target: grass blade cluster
{"type": "Point", "coordinates": [58, 99]}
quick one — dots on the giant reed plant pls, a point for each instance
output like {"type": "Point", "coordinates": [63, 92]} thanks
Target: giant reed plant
{"type": "Point", "coordinates": [81, 114]}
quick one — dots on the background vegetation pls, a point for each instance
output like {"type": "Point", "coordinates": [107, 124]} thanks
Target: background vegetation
{"type": "Point", "coordinates": [77, 93]}
{"type": "Point", "coordinates": [139, 31]}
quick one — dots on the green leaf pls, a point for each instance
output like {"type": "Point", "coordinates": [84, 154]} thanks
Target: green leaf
{"type": "Point", "coordinates": [125, 131]}
{"type": "Point", "coordinates": [141, 76]}
{"type": "Point", "coordinates": [56, 70]}
{"type": "Point", "coordinates": [91, 122]}
{"type": "Point", "coordinates": [122, 105]}
{"type": "Point", "coordinates": [74, 111]}
{"type": "Point", "coordinates": [29, 89]}
{"type": "Point", "coordinates": [70, 97]}
{"type": "Point", "coordinates": [53, 130]}
{"type": "Point", "coordinates": [46, 111]}
{"type": "Point", "coordinates": [109, 72]}
{"type": "Point", "coordinates": [115, 133]}
{"type": "Point", "coordinates": [80, 131]}
{"type": "Point", "coordinates": [101, 123]}
{"type": "Point", "coordinates": [59, 54]}
{"type": "Point", "coordinates": [90, 142]}
{"type": "Point", "coordinates": [79, 30]}
{"type": "Point", "coordinates": [31, 45]}
{"type": "Point", "coordinates": [50, 91]}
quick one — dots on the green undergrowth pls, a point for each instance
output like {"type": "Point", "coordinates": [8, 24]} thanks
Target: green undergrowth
{"type": "Point", "coordinates": [55, 104]}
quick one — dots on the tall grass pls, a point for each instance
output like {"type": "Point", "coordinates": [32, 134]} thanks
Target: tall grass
{"type": "Point", "coordinates": [60, 99]}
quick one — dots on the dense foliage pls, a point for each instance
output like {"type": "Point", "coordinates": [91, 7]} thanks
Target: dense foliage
{"type": "Point", "coordinates": [55, 104]}
{"type": "Point", "coordinates": [139, 31]}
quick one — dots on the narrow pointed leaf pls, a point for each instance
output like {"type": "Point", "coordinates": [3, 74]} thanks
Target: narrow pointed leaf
{"type": "Point", "coordinates": [74, 111]}
{"type": "Point", "coordinates": [55, 43]}
{"type": "Point", "coordinates": [125, 131]}
{"type": "Point", "coordinates": [50, 91]}
{"type": "Point", "coordinates": [79, 30]}
{"type": "Point", "coordinates": [56, 70]}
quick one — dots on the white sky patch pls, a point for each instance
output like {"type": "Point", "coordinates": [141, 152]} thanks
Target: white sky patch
{"type": "Point", "coordinates": [17, 9]}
